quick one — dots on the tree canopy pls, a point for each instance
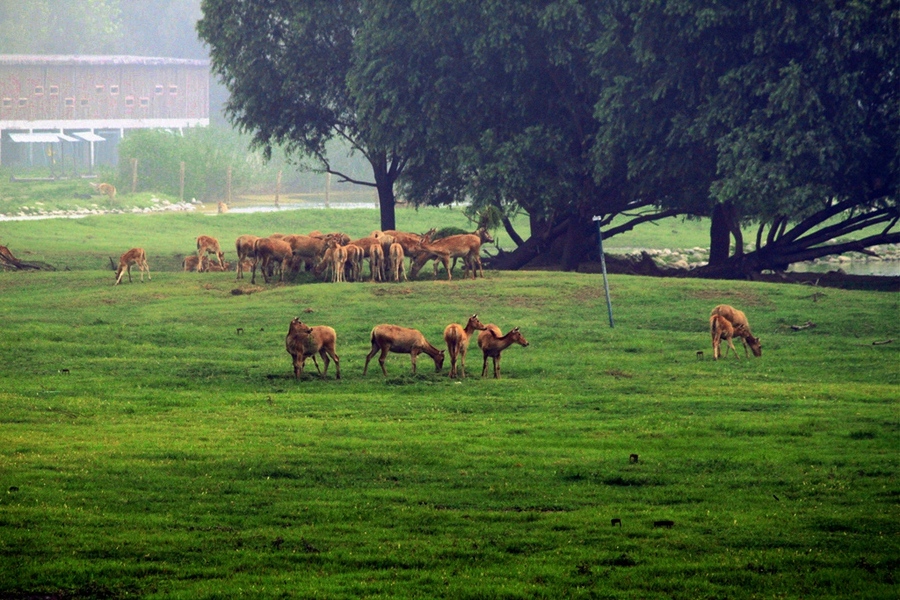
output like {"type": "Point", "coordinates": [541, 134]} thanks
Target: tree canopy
{"type": "Point", "coordinates": [784, 114]}
{"type": "Point", "coordinates": [286, 65]}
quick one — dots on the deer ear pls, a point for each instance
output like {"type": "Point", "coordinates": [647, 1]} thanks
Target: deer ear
{"type": "Point", "coordinates": [515, 328]}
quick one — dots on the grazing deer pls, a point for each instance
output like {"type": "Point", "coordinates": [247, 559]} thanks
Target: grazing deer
{"type": "Point", "coordinates": [210, 245]}
{"type": "Point", "coordinates": [409, 241]}
{"type": "Point", "coordinates": [135, 256]}
{"type": "Point", "coordinates": [741, 326]}
{"type": "Point", "coordinates": [720, 329]}
{"type": "Point", "coordinates": [492, 343]}
{"type": "Point", "coordinates": [244, 248]}
{"type": "Point", "coordinates": [303, 341]}
{"type": "Point", "coordinates": [457, 338]}
{"type": "Point", "coordinates": [107, 189]}
{"type": "Point", "coordinates": [267, 250]}
{"type": "Point", "coordinates": [466, 246]}
{"type": "Point", "coordinates": [402, 340]}
{"type": "Point", "coordinates": [396, 263]}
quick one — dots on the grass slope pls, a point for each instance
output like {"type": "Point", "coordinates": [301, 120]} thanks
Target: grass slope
{"type": "Point", "coordinates": [149, 448]}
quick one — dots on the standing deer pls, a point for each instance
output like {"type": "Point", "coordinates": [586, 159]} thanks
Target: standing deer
{"type": "Point", "coordinates": [267, 250]}
{"type": "Point", "coordinates": [243, 245]}
{"type": "Point", "coordinates": [135, 256]}
{"type": "Point", "coordinates": [396, 263]}
{"type": "Point", "coordinates": [107, 189]}
{"type": "Point", "coordinates": [210, 245]}
{"type": "Point", "coordinates": [457, 338]}
{"type": "Point", "coordinates": [402, 340]}
{"type": "Point", "coordinates": [303, 341]}
{"type": "Point", "coordinates": [720, 329]}
{"type": "Point", "coordinates": [492, 344]}
{"type": "Point", "coordinates": [741, 326]}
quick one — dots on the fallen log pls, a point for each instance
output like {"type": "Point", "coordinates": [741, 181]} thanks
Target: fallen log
{"type": "Point", "coordinates": [10, 262]}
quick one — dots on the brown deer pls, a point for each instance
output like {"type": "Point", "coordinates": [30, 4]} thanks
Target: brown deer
{"type": "Point", "coordinates": [457, 338]}
{"type": "Point", "coordinates": [303, 341]}
{"type": "Point", "coordinates": [267, 250]}
{"type": "Point", "coordinates": [396, 263]}
{"type": "Point", "coordinates": [135, 256]}
{"type": "Point", "coordinates": [338, 262]}
{"type": "Point", "coordinates": [376, 262]}
{"type": "Point", "coordinates": [741, 326]}
{"type": "Point", "coordinates": [402, 340]}
{"type": "Point", "coordinates": [355, 256]}
{"type": "Point", "coordinates": [106, 189]}
{"type": "Point", "coordinates": [192, 262]}
{"type": "Point", "coordinates": [244, 248]}
{"type": "Point", "coordinates": [492, 343]}
{"type": "Point", "coordinates": [210, 245]}
{"type": "Point", "coordinates": [466, 246]}
{"type": "Point", "coordinates": [720, 329]}
{"type": "Point", "coordinates": [409, 241]}
{"type": "Point", "coordinates": [221, 208]}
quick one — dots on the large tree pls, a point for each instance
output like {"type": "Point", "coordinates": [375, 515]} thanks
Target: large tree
{"type": "Point", "coordinates": [286, 64]}
{"type": "Point", "coordinates": [500, 97]}
{"type": "Point", "coordinates": [795, 103]}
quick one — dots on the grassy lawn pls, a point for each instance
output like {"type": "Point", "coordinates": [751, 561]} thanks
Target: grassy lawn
{"type": "Point", "coordinates": [154, 443]}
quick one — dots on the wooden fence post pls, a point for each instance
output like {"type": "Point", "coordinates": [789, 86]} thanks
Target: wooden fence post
{"type": "Point", "coordinates": [277, 188]}
{"type": "Point", "coordinates": [181, 182]}
{"type": "Point", "coordinates": [134, 163]}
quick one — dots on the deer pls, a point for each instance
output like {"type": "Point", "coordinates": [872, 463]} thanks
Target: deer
{"type": "Point", "coordinates": [303, 341]}
{"type": "Point", "coordinates": [409, 241]}
{"type": "Point", "coordinates": [741, 326]}
{"type": "Point", "coordinates": [720, 329]}
{"type": "Point", "coordinates": [338, 262]}
{"type": "Point", "coordinates": [267, 249]}
{"type": "Point", "coordinates": [221, 208]}
{"type": "Point", "coordinates": [457, 338]}
{"type": "Point", "coordinates": [355, 256]}
{"type": "Point", "coordinates": [376, 262]}
{"type": "Point", "coordinates": [243, 245]}
{"type": "Point", "coordinates": [396, 263]}
{"type": "Point", "coordinates": [135, 256]}
{"type": "Point", "coordinates": [466, 246]}
{"type": "Point", "coordinates": [402, 340]}
{"type": "Point", "coordinates": [309, 248]}
{"type": "Point", "coordinates": [492, 343]}
{"type": "Point", "coordinates": [210, 245]}
{"type": "Point", "coordinates": [192, 262]}
{"type": "Point", "coordinates": [106, 189]}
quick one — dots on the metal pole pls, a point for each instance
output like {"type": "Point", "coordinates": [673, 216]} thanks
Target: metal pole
{"type": "Point", "coordinates": [603, 267]}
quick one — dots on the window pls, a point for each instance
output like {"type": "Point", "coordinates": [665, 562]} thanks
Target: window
{"type": "Point", "coordinates": [84, 101]}
{"type": "Point", "coordinates": [173, 89]}
{"type": "Point", "coordinates": [99, 88]}
{"type": "Point", "coordinates": [145, 101]}
{"type": "Point", "coordinates": [70, 101]}
{"type": "Point", "coordinates": [114, 90]}
{"type": "Point", "coordinates": [7, 103]}
{"type": "Point", "coordinates": [23, 102]}
{"type": "Point", "coordinates": [158, 90]}
{"type": "Point", "coordinates": [54, 90]}
{"type": "Point", "coordinates": [129, 100]}
{"type": "Point", "coordinates": [38, 90]}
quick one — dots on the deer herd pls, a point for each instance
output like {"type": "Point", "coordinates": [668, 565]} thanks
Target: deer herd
{"type": "Point", "coordinates": [335, 257]}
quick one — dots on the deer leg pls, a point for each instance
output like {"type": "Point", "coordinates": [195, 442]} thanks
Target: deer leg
{"type": "Point", "coordinates": [484, 365]}
{"type": "Point", "coordinates": [129, 273]}
{"type": "Point", "coordinates": [413, 355]}
{"type": "Point", "coordinates": [369, 357]}
{"type": "Point", "coordinates": [462, 361]}
{"type": "Point", "coordinates": [326, 360]}
{"type": "Point", "coordinates": [337, 364]}
{"type": "Point", "coordinates": [497, 367]}
{"type": "Point", "coordinates": [383, 357]}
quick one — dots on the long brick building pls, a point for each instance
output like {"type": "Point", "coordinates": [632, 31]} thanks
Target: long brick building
{"type": "Point", "coordinates": [57, 109]}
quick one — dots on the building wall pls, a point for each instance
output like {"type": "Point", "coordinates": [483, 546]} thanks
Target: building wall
{"type": "Point", "coordinates": [44, 90]}
{"type": "Point", "coordinates": [102, 94]}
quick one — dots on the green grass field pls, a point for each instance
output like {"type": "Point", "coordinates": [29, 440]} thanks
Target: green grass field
{"type": "Point", "coordinates": [148, 448]}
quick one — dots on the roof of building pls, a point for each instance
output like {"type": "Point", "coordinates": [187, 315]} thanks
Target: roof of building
{"type": "Point", "coordinates": [86, 59]}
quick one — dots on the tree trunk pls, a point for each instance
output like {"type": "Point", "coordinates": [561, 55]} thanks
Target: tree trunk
{"type": "Point", "coordinates": [580, 239]}
{"type": "Point", "coordinates": [719, 236]}
{"type": "Point", "coordinates": [386, 203]}
{"type": "Point", "coordinates": [513, 234]}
